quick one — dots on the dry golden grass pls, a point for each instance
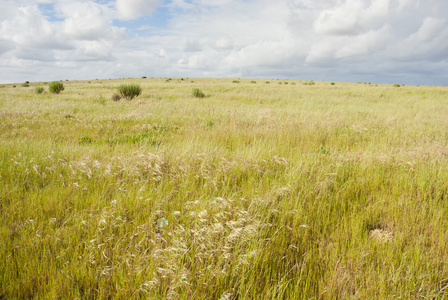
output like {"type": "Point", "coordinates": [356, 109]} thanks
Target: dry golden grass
{"type": "Point", "coordinates": [257, 190]}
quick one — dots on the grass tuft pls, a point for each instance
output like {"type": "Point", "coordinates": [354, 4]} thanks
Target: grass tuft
{"type": "Point", "coordinates": [39, 90]}
{"type": "Point", "coordinates": [129, 91]}
{"type": "Point", "coordinates": [198, 93]}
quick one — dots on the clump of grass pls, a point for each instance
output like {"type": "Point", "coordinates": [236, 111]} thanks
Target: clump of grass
{"type": "Point", "coordinates": [236, 81]}
{"type": "Point", "coordinates": [26, 84]}
{"type": "Point", "coordinates": [129, 91]}
{"type": "Point", "coordinates": [253, 81]}
{"type": "Point", "coordinates": [55, 87]}
{"type": "Point", "coordinates": [198, 93]}
{"type": "Point", "coordinates": [309, 82]}
{"type": "Point", "coordinates": [39, 90]}
{"type": "Point", "coordinates": [396, 85]}
{"type": "Point", "coordinates": [116, 97]}
{"type": "Point", "coordinates": [100, 100]}
{"type": "Point", "coordinates": [332, 83]}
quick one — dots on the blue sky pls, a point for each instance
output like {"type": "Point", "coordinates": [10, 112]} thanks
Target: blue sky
{"type": "Point", "coordinates": [378, 41]}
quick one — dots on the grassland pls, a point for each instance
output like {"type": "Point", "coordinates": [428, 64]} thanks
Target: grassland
{"type": "Point", "coordinates": [258, 190]}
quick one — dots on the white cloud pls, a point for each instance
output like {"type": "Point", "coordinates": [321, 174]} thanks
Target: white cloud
{"type": "Point", "coordinates": [352, 47]}
{"type": "Point", "coordinates": [87, 21]}
{"type": "Point", "coordinates": [324, 39]}
{"type": "Point", "coordinates": [351, 17]}
{"type": "Point", "coordinates": [224, 43]}
{"type": "Point", "coordinates": [133, 9]}
{"type": "Point", "coordinates": [430, 42]}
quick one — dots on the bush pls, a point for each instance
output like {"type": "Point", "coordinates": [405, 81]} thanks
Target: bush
{"type": "Point", "coordinates": [396, 85]}
{"type": "Point", "coordinates": [55, 87]}
{"type": "Point", "coordinates": [25, 84]}
{"type": "Point", "coordinates": [129, 91]}
{"type": "Point", "coordinates": [197, 93]}
{"type": "Point", "coordinates": [39, 90]}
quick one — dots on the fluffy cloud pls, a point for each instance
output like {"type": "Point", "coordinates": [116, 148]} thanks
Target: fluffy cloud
{"type": "Point", "coordinates": [429, 42]}
{"type": "Point", "coordinates": [348, 40]}
{"type": "Point", "coordinates": [133, 9]}
{"type": "Point", "coordinates": [87, 21]}
{"type": "Point", "coordinates": [351, 17]}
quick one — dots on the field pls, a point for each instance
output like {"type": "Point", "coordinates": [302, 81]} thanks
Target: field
{"type": "Point", "coordinates": [262, 189]}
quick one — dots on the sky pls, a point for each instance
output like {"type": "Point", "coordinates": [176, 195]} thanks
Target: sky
{"type": "Point", "coordinates": [377, 41]}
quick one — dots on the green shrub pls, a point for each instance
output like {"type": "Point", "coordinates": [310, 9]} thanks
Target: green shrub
{"type": "Point", "coordinates": [25, 84]}
{"type": "Point", "coordinates": [396, 85]}
{"type": "Point", "coordinates": [129, 91]}
{"type": "Point", "coordinates": [235, 81]}
{"type": "Point", "coordinates": [13, 85]}
{"type": "Point", "coordinates": [55, 87]}
{"type": "Point", "coordinates": [197, 93]}
{"type": "Point", "coordinates": [332, 83]}
{"type": "Point", "coordinates": [39, 90]}
{"type": "Point", "coordinates": [253, 81]}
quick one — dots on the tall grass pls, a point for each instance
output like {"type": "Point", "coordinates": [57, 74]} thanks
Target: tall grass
{"type": "Point", "coordinates": [295, 192]}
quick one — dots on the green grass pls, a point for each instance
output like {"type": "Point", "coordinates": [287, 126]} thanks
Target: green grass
{"type": "Point", "coordinates": [270, 191]}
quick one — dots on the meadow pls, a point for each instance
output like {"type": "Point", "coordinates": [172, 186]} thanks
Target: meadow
{"type": "Point", "coordinates": [261, 189]}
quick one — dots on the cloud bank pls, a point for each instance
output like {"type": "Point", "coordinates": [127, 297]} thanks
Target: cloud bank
{"type": "Point", "coordinates": [383, 41]}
